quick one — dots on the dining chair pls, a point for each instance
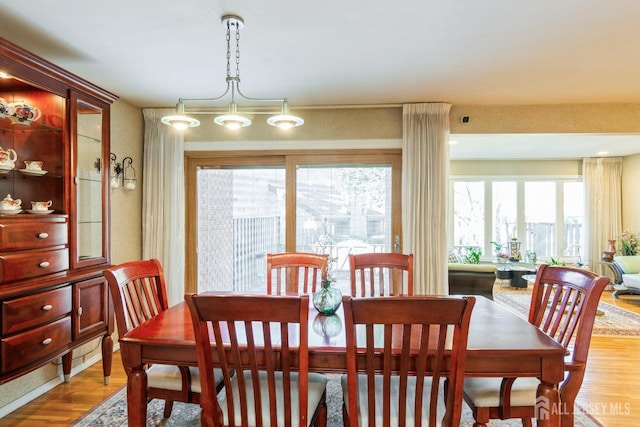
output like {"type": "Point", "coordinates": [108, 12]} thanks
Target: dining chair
{"type": "Point", "coordinates": [138, 291]}
{"type": "Point", "coordinates": [381, 274]}
{"type": "Point", "coordinates": [398, 350]}
{"type": "Point", "coordinates": [564, 304]}
{"type": "Point", "coordinates": [295, 272]}
{"type": "Point", "coordinates": [260, 337]}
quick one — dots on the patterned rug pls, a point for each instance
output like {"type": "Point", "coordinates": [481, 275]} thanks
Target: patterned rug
{"type": "Point", "coordinates": [112, 412]}
{"type": "Point", "coordinates": [611, 321]}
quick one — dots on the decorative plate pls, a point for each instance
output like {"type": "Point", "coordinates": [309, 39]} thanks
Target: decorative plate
{"type": "Point", "coordinates": [33, 172]}
{"type": "Point", "coordinates": [40, 212]}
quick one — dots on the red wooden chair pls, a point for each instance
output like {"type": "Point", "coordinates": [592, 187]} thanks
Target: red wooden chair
{"type": "Point", "coordinates": [295, 272]}
{"type": "Point", "coordinates": [254, 336]}
{"type": "Point", "coordinates": [382, 274]}
{"type": "Point", "coordinates": [407, 379]}
{"type": "Point", "coordinates": [139, 292]}
{"type": "Point", "coordinates": [564, 305]}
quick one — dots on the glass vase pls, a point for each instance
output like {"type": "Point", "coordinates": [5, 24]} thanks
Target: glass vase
{"type": "Point", "coordinates": [327, 299]}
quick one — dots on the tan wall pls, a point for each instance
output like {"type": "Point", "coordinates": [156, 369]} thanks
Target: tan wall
{"type": "Point", "coordinates": [127, 135]}
{"type": "Point", "coordinates": [630, 193]}
{"type": "Point", "coordinates": [511, 167]}
{"type": "Point", "coordinates": [386, 123]}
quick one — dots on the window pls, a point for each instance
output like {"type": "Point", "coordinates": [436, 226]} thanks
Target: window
{"type": "Point", "coordinates": [245, 207]}
{"type": "Point", "coordinates": [544, 215]}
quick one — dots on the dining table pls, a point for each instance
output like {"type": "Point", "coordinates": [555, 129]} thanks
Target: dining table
{"type": "Point", "coordinates": [500, 344]}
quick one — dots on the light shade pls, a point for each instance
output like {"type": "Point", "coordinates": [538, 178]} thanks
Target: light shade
{"type": "Point", "coordinates": [180, 122]}
{"type": "Point", "coordinates": [285, 121]}
{"type": "Point", "coordinates": [232, 121]}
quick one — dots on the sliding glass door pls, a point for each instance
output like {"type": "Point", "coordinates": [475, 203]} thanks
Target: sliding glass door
{"type": "Point", "coordinates": [241, 208]}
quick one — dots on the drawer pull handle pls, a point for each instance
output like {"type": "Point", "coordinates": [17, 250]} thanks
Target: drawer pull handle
{"type": "Point", "coordinates": [47, 341]}
{"type": "Point", "coordinates": [47, 307]}
{"type": "Point", "coordinates": [43, 235]}
{"type": "Point", "coordinates": [79, 311]}
{"type": "Point", "coordinates": [44, 264]}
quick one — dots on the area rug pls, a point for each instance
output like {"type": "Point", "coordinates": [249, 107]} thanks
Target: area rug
{"type": "Point", "coordinates": [112, 412]}
{"type": "Point", "coordinates": [611, 321]}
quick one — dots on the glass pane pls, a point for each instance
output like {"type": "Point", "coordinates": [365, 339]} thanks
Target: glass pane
{"type": "Point", "coordinates": [573, 209]}
{"type": "Point", "coordinates": [540, 219]}
{"type": "Point", "coordinates": [505, 214]}
{"type": "Point", "coordinates": [468, 214]}
{"type": "Point", "coordinates": [241, 217]}
{"type": "Point", "coordinates": [89, 182]}
{"type": "Point", "coordinates": [342, 210]}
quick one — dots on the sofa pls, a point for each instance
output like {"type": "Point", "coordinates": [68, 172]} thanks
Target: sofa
{"type": "Point", "coordinates": [626, 269]}
{"type": "Point", "coordinates": [471, 279]}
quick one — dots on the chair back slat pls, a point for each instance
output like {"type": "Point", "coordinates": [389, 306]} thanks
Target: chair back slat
{"type": "Point", "coordinates": [139, 292]}
{"type": "Point", "coordinates": [295, 272]}
{"type": "Point", "coordinates": [381, 274]}
{"type": "Point", "coordinates": [420, 337]}
{"type": "Point", "coordinates": [564, 303]}
{"type": "Point", "coordinates": [256, 336]}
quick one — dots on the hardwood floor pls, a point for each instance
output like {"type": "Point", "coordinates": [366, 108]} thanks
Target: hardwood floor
{"type": "Point", "coordinates": [609, 391]}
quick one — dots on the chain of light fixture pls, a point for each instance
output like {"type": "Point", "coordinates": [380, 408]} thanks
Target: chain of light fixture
{"type": "Point", "coordinates": [233, 119]}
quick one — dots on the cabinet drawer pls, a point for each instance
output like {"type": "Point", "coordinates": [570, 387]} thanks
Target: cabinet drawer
{"type": "Point", "coordinates": [22, 349]}
{"type": "Point", "coordinates": [27, 312]}
{"type": "Point", "coordinates": [32, 235]}
{"type": "Point", "coordinates": [24, 265]}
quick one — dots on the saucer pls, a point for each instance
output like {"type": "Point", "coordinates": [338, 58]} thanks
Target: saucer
{"type": "Point", "coordinates": [6, 169]}
{"type": "Point", "coordinates": [10, 211]}
{"type": "Point", "coordinates": [33, 172]}
{"type": "Point", "coordinates": [39, 212]}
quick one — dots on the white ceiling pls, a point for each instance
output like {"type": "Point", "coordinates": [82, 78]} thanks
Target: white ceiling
{"type": "Point", "coordinates": [152, 52]}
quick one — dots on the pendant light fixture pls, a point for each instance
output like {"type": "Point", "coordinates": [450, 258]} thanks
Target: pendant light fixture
{"type": "Point", "coordinates": [233, 119]}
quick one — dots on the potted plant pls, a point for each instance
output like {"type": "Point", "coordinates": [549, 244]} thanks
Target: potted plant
{"type": "Point", "coordinates": [473, 255]}
{"type": "Point", "coordinates": [628, 243]}
{"type": "Point", "coordinates": [497, 249]}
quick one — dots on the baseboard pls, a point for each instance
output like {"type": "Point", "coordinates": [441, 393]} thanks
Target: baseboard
{"type": "Point", "coordinates": [37, 392]}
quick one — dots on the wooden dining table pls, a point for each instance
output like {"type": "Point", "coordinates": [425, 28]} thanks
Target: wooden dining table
{"type": "Point", "coordinates": [500, 344]}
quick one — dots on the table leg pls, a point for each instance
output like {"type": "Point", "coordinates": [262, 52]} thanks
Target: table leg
{"type": "Point", "coordinates": [137, 397]}
{"type": "Point", "coordinates": [548, 405]}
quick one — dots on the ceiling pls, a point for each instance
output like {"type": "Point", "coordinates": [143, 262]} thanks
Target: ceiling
{"type": "Point", "coordinates": [152, 52]}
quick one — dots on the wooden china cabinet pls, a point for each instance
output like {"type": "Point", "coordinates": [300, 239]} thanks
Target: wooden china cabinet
{"type": "Point", "coordinates": [53, 296]}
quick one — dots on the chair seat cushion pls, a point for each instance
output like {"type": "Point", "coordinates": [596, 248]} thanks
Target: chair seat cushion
{"type": "Point", "coordinates": [363, 415]}
{"type": "Point", "coordinates": [485, 392]}
{"type": "Point", "coordinates": [168, 377]}
{"type": "Point", "coordinates": [317, 386]}
{"type": "Point", "coordinates": [631, 280]}
{"type": "Point", "coordinates": [630, 264]}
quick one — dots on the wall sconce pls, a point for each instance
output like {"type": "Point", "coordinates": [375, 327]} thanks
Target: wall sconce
{"type": "Point", "coordinates": [124, 175]}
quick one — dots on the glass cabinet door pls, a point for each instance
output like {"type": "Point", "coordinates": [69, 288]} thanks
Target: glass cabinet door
{"type": "Point", "coordinates": [90, 161]}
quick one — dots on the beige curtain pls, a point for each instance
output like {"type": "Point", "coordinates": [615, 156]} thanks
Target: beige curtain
{"type": "Point", "coordinates": [425, 172]}
{"type": "Point", "coordinates": [163, 200]}
{"type": "Point", "coordinates": [603, 200]}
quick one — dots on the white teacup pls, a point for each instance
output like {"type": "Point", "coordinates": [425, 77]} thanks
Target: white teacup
{"type": "Point", "coordinates": [33, 165]}
{"type": "Point", "coordinates": [41, 206]}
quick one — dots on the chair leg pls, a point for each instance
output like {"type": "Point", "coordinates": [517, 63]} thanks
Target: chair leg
{"type": "Point", "coordinates": [168, 407]}
{"type": "Point", "coordinates": [481, 417]}
{"type": "Point", "coordinates": [321, 414]}
{"type": "Point", "coordinates": [345, 416]}
{"type": "Point", "coordinates": [526, 422]}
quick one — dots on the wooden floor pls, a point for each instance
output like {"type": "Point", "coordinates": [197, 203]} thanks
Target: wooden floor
{"type": "Point", "coordinates": [609, 392]}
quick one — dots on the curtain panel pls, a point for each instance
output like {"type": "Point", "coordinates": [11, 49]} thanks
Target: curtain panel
{"type": "Point", "coordinates": [603, 204]}
{"type": "Point", "coordinates": [163, 221]}
{"type": "Point", "coordinates": [425, 173]}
